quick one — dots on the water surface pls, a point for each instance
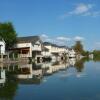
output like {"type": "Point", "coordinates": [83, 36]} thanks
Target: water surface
{"type": "Point", "coordinates": [73, 80]}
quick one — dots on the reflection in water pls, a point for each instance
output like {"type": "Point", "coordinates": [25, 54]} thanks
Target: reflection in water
{"type": "Point", "coordinates": [2, 77]}
{"type": "Point", "coordinates": [8, 85]}
{"type": "Point", "coordinates": [13, 74]}
{"type": "Point", "coordinates": [79, 65]}
{"type": "Point", "coordinates": [33, 72]}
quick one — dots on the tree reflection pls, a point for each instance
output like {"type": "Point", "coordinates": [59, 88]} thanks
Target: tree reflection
{"type": "Point", "coordinates": [8, 91]}
{"type": "Point", "coordinates": [96, 59]}
{"type": "Point", "coordinates": [79, 65]}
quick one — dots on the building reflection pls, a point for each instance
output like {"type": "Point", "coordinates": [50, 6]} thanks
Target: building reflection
{"type": "Point", "coordinates": [2, 77]}
{"type": "Point", "coordinates": [35, 73]}
{"type": "Point", "coordinates": [72, 61]}
{"type": "Point", "coordinates": [8, 85]}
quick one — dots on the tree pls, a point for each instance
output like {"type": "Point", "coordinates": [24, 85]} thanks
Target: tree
{"type": "Point", "coordinates": [96, 54]}
{"type": "Point", "coordinates": [78, 47]}
{"type": "Point", "coordinates": [8, 33]}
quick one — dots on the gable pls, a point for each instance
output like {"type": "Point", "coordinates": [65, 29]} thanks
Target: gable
{"type": "Point", "coordinates": [37, 43]}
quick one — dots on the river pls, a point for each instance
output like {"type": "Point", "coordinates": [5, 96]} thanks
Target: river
{"type": "Point", "coordinates": [70, 80]}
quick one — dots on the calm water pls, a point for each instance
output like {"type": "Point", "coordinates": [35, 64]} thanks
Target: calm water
{"type": "Point", "coordinates": [73, 80]}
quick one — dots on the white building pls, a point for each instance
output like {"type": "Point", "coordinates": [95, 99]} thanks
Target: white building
{"type": "Point", "coordinates": [30, 46]}
{"type": "Point", "coordinates": [71, 53]}
{"type": "Point", "coordinates": [2, 46]}
{"type": "Point", "coordinates": [54, 50]}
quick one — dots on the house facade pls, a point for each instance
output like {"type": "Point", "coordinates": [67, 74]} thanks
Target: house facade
{"type": "Point", "coordinates": [30, 46]}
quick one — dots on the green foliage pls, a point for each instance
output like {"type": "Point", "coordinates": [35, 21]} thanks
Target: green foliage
{"type": "Point", "coordinates": [85, 53]}
{"type": "Point", "coordinates": [8, 91]}
{"type": "Point", "coordinates": [96, 54]}
{"type": "Point", "coordinates": [8, 33]}
{"type": "Point", "coordinates": [78, 47]}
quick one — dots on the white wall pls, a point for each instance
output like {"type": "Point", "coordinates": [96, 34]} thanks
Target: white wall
{"type": "Point", "coordinates": [2, 48]}
{"type": "Point", "coordinates": [71, 53]}
{"type": "Point", "coordinates": [56, 49]}
{"type": "Point", "coordinates": [52, 49]}
{"type": "Point", "coordinates": [37, 46]}
{"type": "Point", "coordinates": [22, 45]}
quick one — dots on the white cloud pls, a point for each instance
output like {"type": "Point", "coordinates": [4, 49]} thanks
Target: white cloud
{"type": "Point", "coordinates": [96, 45]}
{"type": "Point", "coordinates": [49, 40]}
{"type": "Point", "coordinates": [82, 10]}
{"type": "Point", "coordinates": [78, 38]}
{"type": "Point", "coordinates": [44, 36]}
{"type": "Point", "coordinates": [93, 14]}
{"type": "Point", "coordinates": [63, 38]}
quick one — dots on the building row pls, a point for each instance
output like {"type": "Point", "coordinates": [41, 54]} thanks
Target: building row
{"type": "Point", "coordinates": [34, 47]}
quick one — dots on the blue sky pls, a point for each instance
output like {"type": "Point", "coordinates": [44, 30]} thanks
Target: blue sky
{"type": "Point", "coordinates": [58, 21]}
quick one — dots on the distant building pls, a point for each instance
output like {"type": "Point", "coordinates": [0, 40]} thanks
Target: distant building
{"type": "Point", "coordinates": [91, 56]}
{"type": "Point", "coordinates": [2, 46]}
{"type": "Point", "coordinates": [54, 51]}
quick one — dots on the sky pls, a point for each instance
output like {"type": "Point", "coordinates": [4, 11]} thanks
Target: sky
{"type": "Point", "coordinates": [58, 21]}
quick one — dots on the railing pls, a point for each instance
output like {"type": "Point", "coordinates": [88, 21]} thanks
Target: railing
{"type": "Point", "coordinates": [24, 55]}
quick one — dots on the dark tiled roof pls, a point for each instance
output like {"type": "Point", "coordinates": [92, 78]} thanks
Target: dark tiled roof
{"type": "Point", "coordinates": [32, 39]}
{"type": "Point", "coordinates": [48, 43]}
{"type": "Point", "coordinates": [62, 47]}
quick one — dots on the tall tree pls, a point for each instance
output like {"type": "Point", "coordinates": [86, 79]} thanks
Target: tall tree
{"type": "Point", "coordinates": [78, 47]}
{"type": "Point", "coordinates": [8, 33]}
